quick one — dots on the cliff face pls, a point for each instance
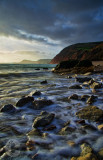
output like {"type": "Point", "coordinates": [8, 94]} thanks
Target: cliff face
{"type": "Point", "coordinates": [80, 51]}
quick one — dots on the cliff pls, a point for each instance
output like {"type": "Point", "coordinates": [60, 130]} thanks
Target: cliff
{"type": "Point", "coordinates": [80, 51]}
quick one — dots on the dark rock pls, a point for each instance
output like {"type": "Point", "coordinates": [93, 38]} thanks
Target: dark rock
{"type": "Point", "coordinates": [66, 130]}
{"type": "Point", "coordinates": [91, 81]}
{"type": "Point", "coordinates": [84, 97]}
{"type": "Point", "coordinates": [2, 151]}
{"type": "Point", "coordinates": [67, 123]}
{"type": "Point", "coordinates": [34, 132]}
{"type": "Point", "coordinates": [44, 82]}
{"type": "Point", "coordinates": [36, 93]}
{"type": "Point", "coordinates": [75, 87]}
{"type": "Point", "coordinates": [74, 96]}
{"type": "Point", "coordinates": [89, 127]}
{"type": "Point", "coordinates": [84, 63]}
{"type": "Point", "coordinates": [43, 119]}
{"type": "Point", "coordinates": [24, 101]}
{"type": "Point", "coordinates": [10, 130]}
{"type": "Point", "coordinates": [38, 104]}
{"type": "Point", "coordinates": [84, 79]}
{"type": "Point", "coordinates": [69, 77]}
{"type": "Point", "coordinates": [80, 121]}
{"type": "Point", "coordinates": [66, 64]}
{"type": "Point", "coordinates": [96, 85]}
{"type": "Point", "coordinates": [45, 68]}
{"type": "Point", "coordinates": [37, 69]}
{"type": "Point", "coordinates": [91, 99]}
{"type": "Point", "coordinates": [9, 108]}
{"type": "Point", "coordinates": [50, 128]}
{"type": "Point", "coordinates": [92, 113]}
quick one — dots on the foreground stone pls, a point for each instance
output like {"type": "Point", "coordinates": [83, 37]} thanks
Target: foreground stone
{"type": "Point", "coordinates": [100, 127]}
{"type": "Point", "coordinates": [91, 99]}
{"type": "Point", "coordinates": [96, 85]}
{"type": "Point", "coordinates": [36, 93]}
{"type": "Point", "coordinates": [92, 113]}
{"type": "Point", "coordinates": [9, 108]}
{"type": "Point", "coordinates": [66, 130]}
{"type": "Point", "coordinates": [24, 101]}
{"type": "Point", "coordinates": [91, 82]}
{"type": "Point", "coordinates": [84, 79]}
{"type": "Point", "coordinates": [44, 82]}
{"type": "Point", "coordinates": [84, 97]}
{"type": "Point", "coordinates": [86, 153]}
{"type": "Point", "coordinates": [74, 96]}
{"type": "Point", "coordinates": [38, 104]}
{"type": "Point", "coordinates": [101, 152]}
{"type": "Point", "coordinates": [34, 132]}
{"type": "Point", "coordinates": [75, 87]}
{"type": "Point", "coordinates": [45, 118]}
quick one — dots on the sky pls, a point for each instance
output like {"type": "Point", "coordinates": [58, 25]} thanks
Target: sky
{"type": "Point", "coordinates": [40, 29]}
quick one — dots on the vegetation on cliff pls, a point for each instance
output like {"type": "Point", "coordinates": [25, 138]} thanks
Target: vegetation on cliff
{"type": "Point", "coordinates": [81, 51]}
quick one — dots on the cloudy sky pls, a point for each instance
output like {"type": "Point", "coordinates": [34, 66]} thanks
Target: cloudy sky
{"type": "Point", "coordinates": [38, 29]}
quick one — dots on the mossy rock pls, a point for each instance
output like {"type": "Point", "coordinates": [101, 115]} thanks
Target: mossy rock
{"type": "Point", "coordinates": [92, 113]}
{"type": "Point", "coordinates": [89, 156]}
{"type": "Point", "coordinates": [86, 153]}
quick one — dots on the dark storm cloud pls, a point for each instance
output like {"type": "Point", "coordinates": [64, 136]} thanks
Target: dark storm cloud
{"type": "Point", "coordinates": [66, 21]}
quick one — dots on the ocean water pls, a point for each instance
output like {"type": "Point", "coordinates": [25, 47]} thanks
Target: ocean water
{"type": "Point", "coordinates": [17, 81]}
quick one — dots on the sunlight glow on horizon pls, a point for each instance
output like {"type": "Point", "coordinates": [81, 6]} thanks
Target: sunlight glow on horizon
{"type": "Point", "coordinates": [16, 50]}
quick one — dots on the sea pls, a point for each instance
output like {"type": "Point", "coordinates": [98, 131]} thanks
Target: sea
{"type": "Point", "coordinates": [19, 80]}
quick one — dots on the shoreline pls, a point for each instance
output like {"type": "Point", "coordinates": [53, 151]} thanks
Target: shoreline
{"type": "Point", "coordinates": [48, 111]}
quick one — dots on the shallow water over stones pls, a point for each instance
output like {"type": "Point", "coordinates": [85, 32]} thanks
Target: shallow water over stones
{"type": "Point", "coordinates": [50, 141]}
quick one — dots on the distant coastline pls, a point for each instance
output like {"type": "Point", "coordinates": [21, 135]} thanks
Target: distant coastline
{"type": "Point", "coordinates": [40, 61]}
